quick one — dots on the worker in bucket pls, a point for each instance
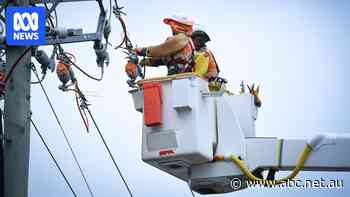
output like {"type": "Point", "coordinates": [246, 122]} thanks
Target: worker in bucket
{"type": "Point", "coordinates": [205, 63]}
{"type": "Point", "coordinates": [176, 52]}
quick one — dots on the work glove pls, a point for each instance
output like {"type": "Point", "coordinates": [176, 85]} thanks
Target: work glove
{"type": "Point", "coordinates": [255, 93]}
{"type": "Point", "coordinates": [140, 51]}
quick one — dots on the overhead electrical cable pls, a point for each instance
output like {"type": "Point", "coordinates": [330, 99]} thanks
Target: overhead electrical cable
{"type": "Point", "coordinates": [63, 132]}
{"type": "Point", "coordinates": [125, 40]}
{"type": "Point", "coordinates": [53, 158]}
{"type": "Point", "coordinates": [103, 140]}
{"type": "Point", "coordinates": [110, 153]}
{"type": "Point", "coordinates": [14, 65]}
{"type": "Point", "coordinates": [79, 68]}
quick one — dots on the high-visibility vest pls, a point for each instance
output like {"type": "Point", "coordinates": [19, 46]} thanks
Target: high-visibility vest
{"type": "Point", "coordinates": [201, 59]}
{"type": "Point", "coordinates": [204, 61]}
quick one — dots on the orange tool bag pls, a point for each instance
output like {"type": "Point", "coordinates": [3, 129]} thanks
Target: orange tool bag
{"type": "Point", "coordinates": [152, 99]}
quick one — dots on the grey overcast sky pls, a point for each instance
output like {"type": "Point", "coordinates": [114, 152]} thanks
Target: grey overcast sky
{"type": "Point", "coordinates": [298, 51]}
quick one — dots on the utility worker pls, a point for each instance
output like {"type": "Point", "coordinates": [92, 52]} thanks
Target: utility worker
{"type": "Point", "coordinates": [176, 52]}
{"type": "Point", "coordinates": [205, 63]}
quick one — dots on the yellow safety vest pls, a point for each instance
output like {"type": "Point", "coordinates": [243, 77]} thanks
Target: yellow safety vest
{"type": "Point", "coordinates": [201, 60]}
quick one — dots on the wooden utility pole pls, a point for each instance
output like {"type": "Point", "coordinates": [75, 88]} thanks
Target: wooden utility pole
{"type": "Point", "coordinates": [2, 192]}
{"type": "Point", "coordinates": [17, 121]}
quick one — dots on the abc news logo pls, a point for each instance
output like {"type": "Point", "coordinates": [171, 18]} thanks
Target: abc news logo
{"type": "Point", "coordinates": [29, 30]}
{"type": "Point", "coordinates": [25, 25]}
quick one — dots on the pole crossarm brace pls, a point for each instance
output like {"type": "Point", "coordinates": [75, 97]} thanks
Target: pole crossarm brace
{"type": "Point", "coordinates": [76, 35]}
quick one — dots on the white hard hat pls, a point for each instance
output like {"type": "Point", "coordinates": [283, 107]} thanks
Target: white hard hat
{"type": "Point", "coordinates": [179, 18]}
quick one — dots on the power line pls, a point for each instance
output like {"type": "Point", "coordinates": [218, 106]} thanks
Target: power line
{"type": "Point", "coordinates": [125, 40]}
{"type": "Point", "coordinates": [53, 158]}
{"type": "Point", "coordinates": [14, 65]}
{"type": "Point", "coordinates": [85, 106]}
{"type": "Point", "coordinates": [63, 132]}
{"type": "Point", "coordinates": [87, 74]}
{"type": "Point", "coordinates": [109, 152]}
{"type": "Point", "coordinates": [80, 69]}
{"type": "Point", "coordinates": [49, 17]}
{"type": "Point", "coordinates": [64, 53]}
{"type": "Point", "coordinates": [43, 76]}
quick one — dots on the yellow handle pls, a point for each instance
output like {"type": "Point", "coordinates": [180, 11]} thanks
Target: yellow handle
{"type": "Point", "coordinates": [300, 164]}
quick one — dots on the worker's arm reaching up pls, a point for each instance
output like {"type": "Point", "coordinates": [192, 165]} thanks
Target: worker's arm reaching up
{"type": "Point", "coordinates": [158, 54]}
{"type": "Point", "coordinates": [171, 46]}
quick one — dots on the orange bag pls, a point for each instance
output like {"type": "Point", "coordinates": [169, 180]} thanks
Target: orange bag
{"type": "Point", "coordinates": [152, 98]}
